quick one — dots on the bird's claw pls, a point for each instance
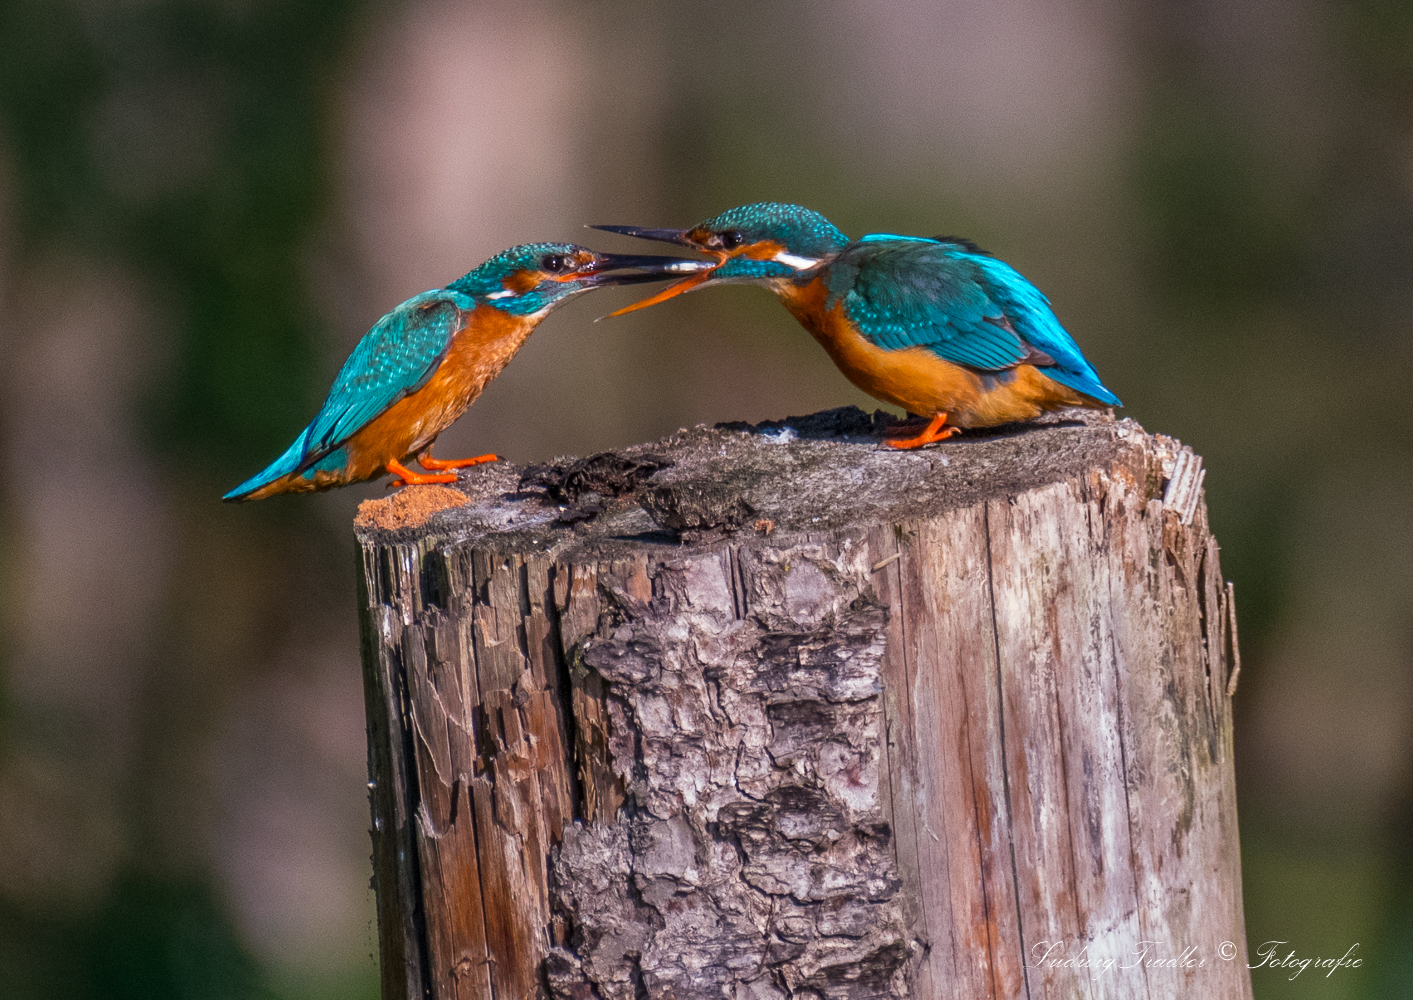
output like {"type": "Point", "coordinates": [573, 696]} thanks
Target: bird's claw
{"type": "Point", "coordinates": [403, 476]}
{"type": "Point", "coordinates": [426, 460]}
{"type": "Point", "coordinates": [935, 431]}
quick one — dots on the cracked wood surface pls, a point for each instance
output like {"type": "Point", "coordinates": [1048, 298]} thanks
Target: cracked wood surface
{"type": "Point", "coordinates": [950, 723]}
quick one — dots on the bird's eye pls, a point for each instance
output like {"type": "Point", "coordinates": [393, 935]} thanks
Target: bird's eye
{"type": "Point", "coordinates": [731, 239]}
{"type": "Point", "coordinates": [555, 263]}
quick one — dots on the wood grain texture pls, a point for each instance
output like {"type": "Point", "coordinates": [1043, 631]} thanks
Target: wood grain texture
{"type": "Point", "coordinates": [954, 723]}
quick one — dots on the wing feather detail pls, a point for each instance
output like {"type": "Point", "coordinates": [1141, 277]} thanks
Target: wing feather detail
{"type": "Point", "coordinates": [959, 302]}
{"type": "Point", "coordinates": [394, 359]}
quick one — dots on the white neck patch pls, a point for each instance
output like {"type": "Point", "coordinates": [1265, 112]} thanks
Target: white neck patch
{"type": "Point", "coordinates": [504, 294]}
{"type": "Point", "coordinates": [798, 263]}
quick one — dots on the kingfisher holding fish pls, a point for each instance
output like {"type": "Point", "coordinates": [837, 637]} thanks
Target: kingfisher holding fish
{"type": "Point", "coordinates": [420, 366]}
{"type": "Point", "coordinates": [936, 325]}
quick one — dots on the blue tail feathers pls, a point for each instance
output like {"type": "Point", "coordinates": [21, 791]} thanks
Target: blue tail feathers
{"type": "Point", "coordinates": [280, 467]}
{"type": "Point", "coordinates": [1087, 383]}
{"type": "Point", "coordinates": [1028, 308]}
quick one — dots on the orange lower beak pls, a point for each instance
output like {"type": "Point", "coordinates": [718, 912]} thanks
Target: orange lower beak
{"type": "Point", "coordinates": [675, 236]}
{"type": "Point", "coordinates": [677, 288]}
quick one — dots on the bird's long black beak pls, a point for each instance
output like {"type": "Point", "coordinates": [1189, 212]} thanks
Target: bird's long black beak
{"type": "Point", "coordinates": [693, 276]}
{"type": "Point", "coordinates": [631, 269]}
{"type": "Point", "coordinates": [677, 236]}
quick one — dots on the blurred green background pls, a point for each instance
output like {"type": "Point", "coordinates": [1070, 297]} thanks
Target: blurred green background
{"type": "Point", "coordinates": [204, 203]}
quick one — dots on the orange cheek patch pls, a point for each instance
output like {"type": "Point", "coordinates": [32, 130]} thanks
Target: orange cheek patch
{"type": "Point", "coordinates": [521, 282]}
{"type": "Point", "coordinates": [764, 250]}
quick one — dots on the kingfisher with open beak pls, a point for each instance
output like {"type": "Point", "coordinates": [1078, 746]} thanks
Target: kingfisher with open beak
{"type": "Point", "coordinates": [425, 362]}
{"type": "Point", "coordinates": [936, 325]}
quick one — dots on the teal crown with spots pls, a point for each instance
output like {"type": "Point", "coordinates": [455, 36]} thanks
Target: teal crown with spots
{"type": "Point", "coordinates": [489, 279]}
{"type": "Point", "coordinates": [801, 231]}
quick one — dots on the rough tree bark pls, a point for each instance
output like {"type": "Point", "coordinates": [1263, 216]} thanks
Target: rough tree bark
{"type": "Point", "coordinates": [775, 712]}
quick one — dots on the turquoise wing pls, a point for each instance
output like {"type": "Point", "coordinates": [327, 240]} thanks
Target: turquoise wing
{"type": "Point", "coordinates": [393, 360]}
{"type": "Point", "coordinates": [959, 302]}
{"type": "Point", "coordinates": [902, 293]}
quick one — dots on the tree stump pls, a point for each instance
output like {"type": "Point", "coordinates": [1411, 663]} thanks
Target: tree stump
{"type": "Point", "coordinates": [766, 712]}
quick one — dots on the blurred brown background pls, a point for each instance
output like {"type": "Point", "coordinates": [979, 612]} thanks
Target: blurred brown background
{"type": "Point", "coordinates": [204, 203]}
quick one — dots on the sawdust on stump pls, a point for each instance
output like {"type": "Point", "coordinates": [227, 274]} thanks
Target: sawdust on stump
{"type": "Point", "coordinates": [408, 507]}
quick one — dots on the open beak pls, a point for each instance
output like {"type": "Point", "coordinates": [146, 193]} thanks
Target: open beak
{"type": "Point", "coordinates": [675, 236]}
{"type": "Point", "coordinates": [685, 285]}
{"type": "Point", "coordinates": [626, 269]}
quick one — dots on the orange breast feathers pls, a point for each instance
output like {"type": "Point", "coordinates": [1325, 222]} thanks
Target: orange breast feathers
{"type": "Point", "coordinates": [917, 379]}
{"type": "Point", "coordinates": [486, 342]}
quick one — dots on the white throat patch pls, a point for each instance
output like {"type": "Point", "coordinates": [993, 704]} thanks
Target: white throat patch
{"type": "Point", "coordinates": [798, 263]}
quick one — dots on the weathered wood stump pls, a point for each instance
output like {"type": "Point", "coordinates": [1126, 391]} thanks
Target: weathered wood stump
{"type": "Point", "coordinates": [776, 712]}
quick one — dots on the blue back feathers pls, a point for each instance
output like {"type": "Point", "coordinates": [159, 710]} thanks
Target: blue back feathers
{"type": "Point", "coordinates": [394, 359]}
{"type": "Point", "coordinates": [968, 307]}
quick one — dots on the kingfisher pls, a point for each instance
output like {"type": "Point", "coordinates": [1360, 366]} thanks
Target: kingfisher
{"type": "Point", "coordinates": [424, 363]}
{"type": "Point", "coordinates": [934, 325]}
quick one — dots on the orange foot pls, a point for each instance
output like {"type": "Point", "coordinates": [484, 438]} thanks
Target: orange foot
{"type": "Point", "coordinates": [426, 460]}
{"type": "Point", "coordinates": [935, 432]}
{"type": "Point", "coordinates": [406, 477]}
